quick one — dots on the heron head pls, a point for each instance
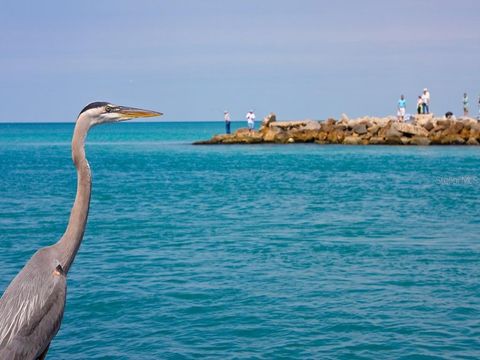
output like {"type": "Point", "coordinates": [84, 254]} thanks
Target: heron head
{"type": "Point", "coordinates": [104, 112]}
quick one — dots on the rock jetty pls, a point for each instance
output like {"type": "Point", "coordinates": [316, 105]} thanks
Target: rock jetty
{"type": "Point", "coordinates": [422, 130]}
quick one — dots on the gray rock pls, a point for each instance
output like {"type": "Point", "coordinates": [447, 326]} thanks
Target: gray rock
{"type": "Point", "coordinates": [360, 129]}
{"type": "Point", "coordinates": [429, 126]}
{"type": "Point", "coordinates": [393, 136]}
{"type": "Point", "coordinates": [392, 132]}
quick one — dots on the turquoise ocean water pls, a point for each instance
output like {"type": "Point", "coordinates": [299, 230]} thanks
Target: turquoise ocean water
{"type": "Point", "coordinates": [250, 252]}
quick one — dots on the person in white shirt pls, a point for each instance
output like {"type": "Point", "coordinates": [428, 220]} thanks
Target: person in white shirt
{"type": "Point", "coordinates": [251, 120]}
{"type": "Point", "coordinates": [426, 101]}
{"type": "Point", "coordinates": [226, 117]}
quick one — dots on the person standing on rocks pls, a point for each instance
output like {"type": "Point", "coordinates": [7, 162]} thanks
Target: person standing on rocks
{"type": "Point", "coordinates": [419, 105]}
{"type": "Point", "coordinates": [251, 120]}
{"type": "Point", "coordinates": [426, 101]}
{"type": "Point", "coordinates": [402, 104]}
{"type": "Point", "coordinates": [465, 104]}
{"type": "Point", "coordinates": [226, 117]}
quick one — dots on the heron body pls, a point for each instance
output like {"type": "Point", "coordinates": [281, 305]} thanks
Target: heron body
{"type": "Point", "coordinates": [32, 306]}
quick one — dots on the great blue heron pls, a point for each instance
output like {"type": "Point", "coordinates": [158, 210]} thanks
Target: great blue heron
{"type": "Point", "coordinates": [31, 308]}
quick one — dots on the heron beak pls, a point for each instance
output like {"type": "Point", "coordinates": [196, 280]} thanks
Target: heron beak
{"type": "Point", "coordinates": [127, 113]}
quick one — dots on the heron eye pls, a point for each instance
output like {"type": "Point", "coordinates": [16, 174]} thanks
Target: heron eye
{"type": "Point", "coordinates": [108, 109]}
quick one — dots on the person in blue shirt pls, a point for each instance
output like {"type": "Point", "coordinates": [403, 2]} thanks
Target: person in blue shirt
{"type": "Point", "coordinates": [402, 104]}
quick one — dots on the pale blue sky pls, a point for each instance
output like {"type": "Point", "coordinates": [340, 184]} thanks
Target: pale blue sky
{"type": "Point", "coordinates": [194, 59]}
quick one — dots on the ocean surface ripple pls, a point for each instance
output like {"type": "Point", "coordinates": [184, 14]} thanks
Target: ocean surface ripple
{"type": "Point", "coordinates": [250, 252]}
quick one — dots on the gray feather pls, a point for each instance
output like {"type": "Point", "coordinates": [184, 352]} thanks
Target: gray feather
{"type": "Point", "coordinates": [31, 309]}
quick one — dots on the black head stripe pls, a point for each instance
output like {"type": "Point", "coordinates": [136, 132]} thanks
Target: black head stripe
{"type": "Point", "coordinates": [93, 105]}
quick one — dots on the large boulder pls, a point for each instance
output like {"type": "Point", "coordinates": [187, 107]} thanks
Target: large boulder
{"type": "Point", "coordinates": [469, 122]}
{"type": "Point", "coordinates": [329, 127]}
{"type": "Point", "coordinates": [445, 123]}
{"type": "Point", "coordinates": [422, 119]}
{"type": "Point", "coordinates": [335, 137]}
{"type": "Point", "coordinates": [452, 133]}
{"type": "Point", "coordinates": [376, 140]}
{"type": "Point", "coordinates": [438, 128]}
{"type": "Point", "coordinates": [475, 131]}
{"type": "Point", "coordinates": [304, 135]}
{"type": "Point", "coordinates": [392, 135]}
{"type": "Point", "coordinates": [311, 125]}
{"type": "Point", "coordinates": [321, 137]}
{"type": "Point", "coordinates": [288, 125]}
{"type": "Point", "coordinates": [360, 129]}
{"type": "Point", "coordinates": [282, 137]}
{"type": "Point", "coordinates": [373, 129]}
{"type": "Point", "coordinates": [271, 133]}
{"type": "Point", "coordinates": [352, 140]}
{"type": "Point", "coordinates": [267, 120]}
{"type": "Point", "coordinates": [456, 127]}
{"type": "Point", "coordinates": [330, 121]}
{"type": "Point", "coordinates": [410, 129]}
{"type": "Point", "coordinates": [429, 125]}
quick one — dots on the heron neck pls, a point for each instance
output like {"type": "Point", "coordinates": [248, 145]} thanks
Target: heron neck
{"type": "Point", "coordinates": [70, 242]}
